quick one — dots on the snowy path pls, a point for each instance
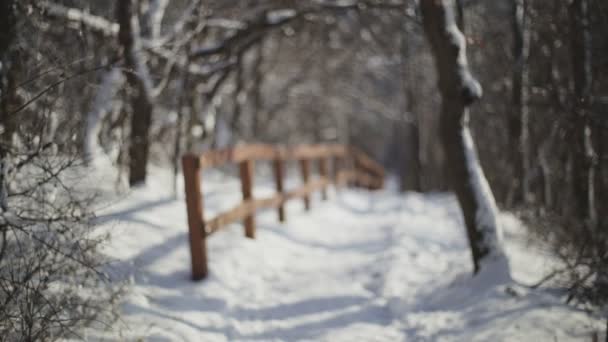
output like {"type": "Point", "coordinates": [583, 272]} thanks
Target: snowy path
{"type": "Point", "coordinates": [360, 267]}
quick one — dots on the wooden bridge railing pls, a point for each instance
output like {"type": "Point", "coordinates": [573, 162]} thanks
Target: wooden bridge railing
{"type": "Point", "coordinates": [350, 166]}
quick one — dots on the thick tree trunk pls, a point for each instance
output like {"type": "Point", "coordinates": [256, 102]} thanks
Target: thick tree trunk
{"type": "Point", "coordinates": [601, 185]}
{"type": "Point", "coordinates": [256, 98]}
{"type": "Point", "coordinates": [410, 170]}
{"type": "Point", "coordinates": [10, 69]}
{"type": "Point", "coordinates": [459, 90]}
{"type": "Point", "coordinates": [518, 119]}
{"type": "Point", "coordinates": [181, 96]}
{"type": "Point", "coordinates": [583, 172]}
{"type": "Point", "coordinates": [239, 97]}
{"type": "Point", "coordinates": [8, 24]}
{"type": "Point", "coordinates": [138, 77]}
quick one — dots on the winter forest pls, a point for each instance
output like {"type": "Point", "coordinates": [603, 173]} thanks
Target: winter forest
{"type": "Point", "coordinates": [439, 169]}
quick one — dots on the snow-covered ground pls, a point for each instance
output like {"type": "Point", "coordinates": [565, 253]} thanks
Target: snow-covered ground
{"type": "Point", "coordinates": [359, 267]}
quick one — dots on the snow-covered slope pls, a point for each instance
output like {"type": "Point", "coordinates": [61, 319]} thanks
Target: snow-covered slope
{"type": "Point", "coordinates": [359, 267]}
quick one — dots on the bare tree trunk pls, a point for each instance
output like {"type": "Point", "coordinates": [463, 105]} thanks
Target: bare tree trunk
{"type": "Point", "coordinates": [601, 186]}
{"type": "Point", "coordinates": [138, 78]}
{"type": "Point", "coordinates": [8, 96]}
{"type": "Point", "coordinates": [583, 172]}
{"type": "Point", "coordinates": [518, 119]}
{"type": "Point", "coordinates": [459, 89]}
{"type": "Point", "coordinates": [182, 97]}
{"type": "Point", "coordinates": [410, 171]}
{"type": "Point", "coordinates": [239, 97]}
{"type": "Point", "coordinates": [256, 99]}
{"type": "Point", "coordinates": [177, 144]}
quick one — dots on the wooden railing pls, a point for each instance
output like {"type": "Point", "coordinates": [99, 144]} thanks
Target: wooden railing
{"type": "Point", "coordinates": [350, 166]}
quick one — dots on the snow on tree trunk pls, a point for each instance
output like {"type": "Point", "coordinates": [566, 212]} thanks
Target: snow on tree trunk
{"type": "Point", "coordinates": [110, 83]}
{"type": "Point", "coordinates": [459, 89]}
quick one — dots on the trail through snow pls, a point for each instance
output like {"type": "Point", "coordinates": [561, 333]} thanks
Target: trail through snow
{"type": "Point", "coordinates": [359, 267]}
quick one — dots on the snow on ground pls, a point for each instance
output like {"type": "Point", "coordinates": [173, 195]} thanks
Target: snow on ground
{"type": "Point", "coordinates": [360, 267]}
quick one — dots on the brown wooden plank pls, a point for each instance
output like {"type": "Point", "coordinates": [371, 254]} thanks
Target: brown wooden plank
{"type": "Point", "coordinates": [194, 206]}
{"type": "Point", "coordinates": [215, 158]}
{"type": "Point", "coordinates": [269, 203]}
{"type": "Point", "coordinates": [237, 154]}
{"type": "Point", "coordinates": [310, 151]}
{"type": "Point", "coordinates": [306, 189]}
{"type": "Point", "coordinates": [241, 211]}
{"type": "Point", "coordinates": [368, 163]}
{"type": "Point", "coordinates": [237, 213]}
{"type": "Point", "coordinates": [339, 150]}
{"type": "Point", "coordinates": [255, 152]}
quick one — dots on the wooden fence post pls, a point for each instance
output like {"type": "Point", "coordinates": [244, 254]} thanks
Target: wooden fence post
{"type": "Point", "coordinates": [352, 162]}
{"type": "Point", "coordinates": [305, 169]}
{"type": "Point", "coordinates": [196, 218]}
{"type": "Point", "coordinates": [336, 169]}
{"type": "Point", "coordinates": [355, 166]}
{"type": "Point", "coordinates": [323, 172]}
{"type": "Point", "coordinates": [279, 172]}
{"type": "Point", "coordinates": [348, 166]}
{"type": "Point", "coordinates": [246, 171]}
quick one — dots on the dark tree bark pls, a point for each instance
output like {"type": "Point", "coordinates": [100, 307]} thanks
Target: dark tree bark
{"type": "Point", "coordinates": [459, 90]}
{"type": "Point", "coordinates": [9, 70]}
{"type": "Point", "coordinates": [410, 170]}
{"type": "Point", "coordinates": [518, 119]}
{"type": "Point", "coordinates": [583, 172]}
{"type": "Point", "coordinates": [138, 78]}
{"type": "Point", "coordinates": [8, 87]}
{"type": "Point", "coordinates": [182, 97]}
{"type": "Point", "coordinates": [239, 96]}
{"type": "Point", "coordinates": [256, 98]}
{"type": "Point", "coordinates": [601, 181]}
{"type": "Point", "coordinates": [409, 146]}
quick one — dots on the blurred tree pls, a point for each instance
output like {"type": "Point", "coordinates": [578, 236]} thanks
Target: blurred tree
{"type": "Point", "coordinates": [459, 90]}
{"type": "Point", "coordinates": [518, 119]}
{"type": "Point", "coordinates": [138, 77]}
{"type": "Point", "coordinates": [583, 172]}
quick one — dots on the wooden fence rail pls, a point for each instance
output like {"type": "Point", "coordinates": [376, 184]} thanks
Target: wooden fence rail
{"type": "Point", "coordinates": [350, 166]}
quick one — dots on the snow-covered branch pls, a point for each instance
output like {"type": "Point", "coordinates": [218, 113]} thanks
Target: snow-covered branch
{"type": "Point", "coordinates": [93, 22]}
{"type": "Point", "coordinates": [153, 17]}
{"type": "Point", "coordinates": [275, 18]}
